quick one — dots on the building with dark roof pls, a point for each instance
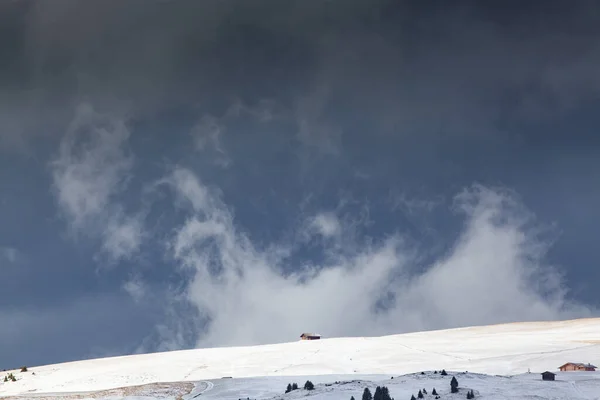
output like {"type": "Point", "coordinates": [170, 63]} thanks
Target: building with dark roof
{"type": "Point", "coordinates": [548, 376]}
{"type": "Point", "coordinates": [310, 336]}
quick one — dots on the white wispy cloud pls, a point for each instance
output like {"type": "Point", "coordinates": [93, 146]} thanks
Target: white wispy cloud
{"type": "Point", "coordinates": [210, 131]}
{"type": "Point", "coordinates": [91, 168]}
{"type": "Point", "coordinates": [326, 224]}
{"type": "Point", "coordinates": [136, 288]}
{"type": "Point", "coordinates": [91, 165]}
{"type": "Point", "coordinates": [122, 236]}
{"type": "Point", "coordinates": [494, 273]}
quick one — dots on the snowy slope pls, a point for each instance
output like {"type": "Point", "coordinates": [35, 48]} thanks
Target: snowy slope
{"type": "Point", "coordinates": [568, 386]}
{"type": "Point", "coordinates": [499, 349]}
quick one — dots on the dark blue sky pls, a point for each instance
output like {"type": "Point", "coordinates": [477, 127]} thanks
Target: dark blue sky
{"type": "Point", "coordinates": [183, 174]}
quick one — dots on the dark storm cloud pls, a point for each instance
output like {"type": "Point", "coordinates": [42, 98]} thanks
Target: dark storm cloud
{"type": "Point", "coordinates": [466, 68]}
{"type": "Point", "coordinates": [140, 56]}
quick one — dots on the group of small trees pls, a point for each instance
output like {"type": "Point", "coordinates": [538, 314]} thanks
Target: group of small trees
{"type": "Point", "coordinates": [11, 377]}
{"type": "Point", "coordinates": [422, 393]}
{"type": "Point", "coordinates": [442, 372]}
{"type": "Point", "coordinates": [454, 388]}
{"type": "Point", "coordinates": [381, 393]}
{"type": "Point", "coordinates": [294, 386]}
{"type": "Point", "coordinates": [291, 386]}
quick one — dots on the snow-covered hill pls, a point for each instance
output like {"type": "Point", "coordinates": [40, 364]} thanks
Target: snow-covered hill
{"type": "Point", "coordinates": [508, 349]}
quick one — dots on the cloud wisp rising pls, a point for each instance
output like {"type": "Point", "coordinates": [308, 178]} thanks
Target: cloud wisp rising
{"type": "Point", "coordinates": [239, 289]}
{"type": "Point", "coordinates": [91, 168]}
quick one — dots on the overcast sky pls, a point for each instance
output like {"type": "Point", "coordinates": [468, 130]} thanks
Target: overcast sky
{"type": "Point", "coordinates": [179, 174]}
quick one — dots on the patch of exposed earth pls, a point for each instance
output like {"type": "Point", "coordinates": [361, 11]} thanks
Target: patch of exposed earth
{"type": "Point", "coordinates": [157, 390]}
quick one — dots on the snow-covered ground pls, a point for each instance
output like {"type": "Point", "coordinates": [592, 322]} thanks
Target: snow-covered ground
{"type": "Point", "coordinates": [568, 386]}
{"type": "Point", "coordinates": [505, 350]}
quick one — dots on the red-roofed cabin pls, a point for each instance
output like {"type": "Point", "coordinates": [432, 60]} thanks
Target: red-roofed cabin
{"type": "Point", "coordinates": [310, 336]}
{"type": "Point", "coordinates": [570, 366]}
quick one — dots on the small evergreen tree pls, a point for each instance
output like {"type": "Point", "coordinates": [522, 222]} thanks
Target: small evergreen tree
{"type": "Point", "coordinates": [367, 395]}
{"type": "Point", "coordinates": [23, 369]}
{"type": "Point", "coordinates": [444, 372]}
{"type": "Point", "coordinates": [351, 397]}
{"type": "Point", "coordinates": [454, 385]}
{"type": "Point", "coordinates": [412, 397]}
{"type": "Point", "coordinates": [424, 391]}
{"type": "Point", "coordinates": [420, 394]}
{"type": "Point", "coordinates": [377, 394]}
{"type": "Point", "coordinates": [385, 393]}
{"type": "Point", "coordinates": [289, 388]}
{"type": "Point", "coordinates": [294, 386]}
{"type": "Point", "coordinates": [433, 392]}
{"type": "Point", "coordinates": [5, 378]}
{"type": "Point", "coordinates": [309, 385]}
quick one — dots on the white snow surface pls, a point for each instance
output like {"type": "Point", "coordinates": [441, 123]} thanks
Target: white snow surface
{"type": "Point", "coordinates": [506, 350]}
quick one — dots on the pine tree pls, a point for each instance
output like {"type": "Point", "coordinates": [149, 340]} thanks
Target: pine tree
{"type": "Point", "coordinates": [377, 394]}
{"type": "Point", "coordinates": [424, 391]}
{"type": "Point", "coordinates": [309, 385]}
{"type": "Point", "coordinates": [289, 388]}
{"type": "Point", "coordinates": [351, 397]}
{"type": "Point", "coordinates": [420, 395]}
{"type": "Point", "coordinates": [385, 393]}
{"type": "Point", "coordinates": [444, 372]}
{"type": "Point", "coordinates": [367, 395]}
{"type": "Point", "coordinates": [412, 397]}
{"type": "Point", "coordinates": [454, 385]}
{"type": "Point", "coordinates": [294, 386]}
{"type": "Point", "coordinates": [433, 392]}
